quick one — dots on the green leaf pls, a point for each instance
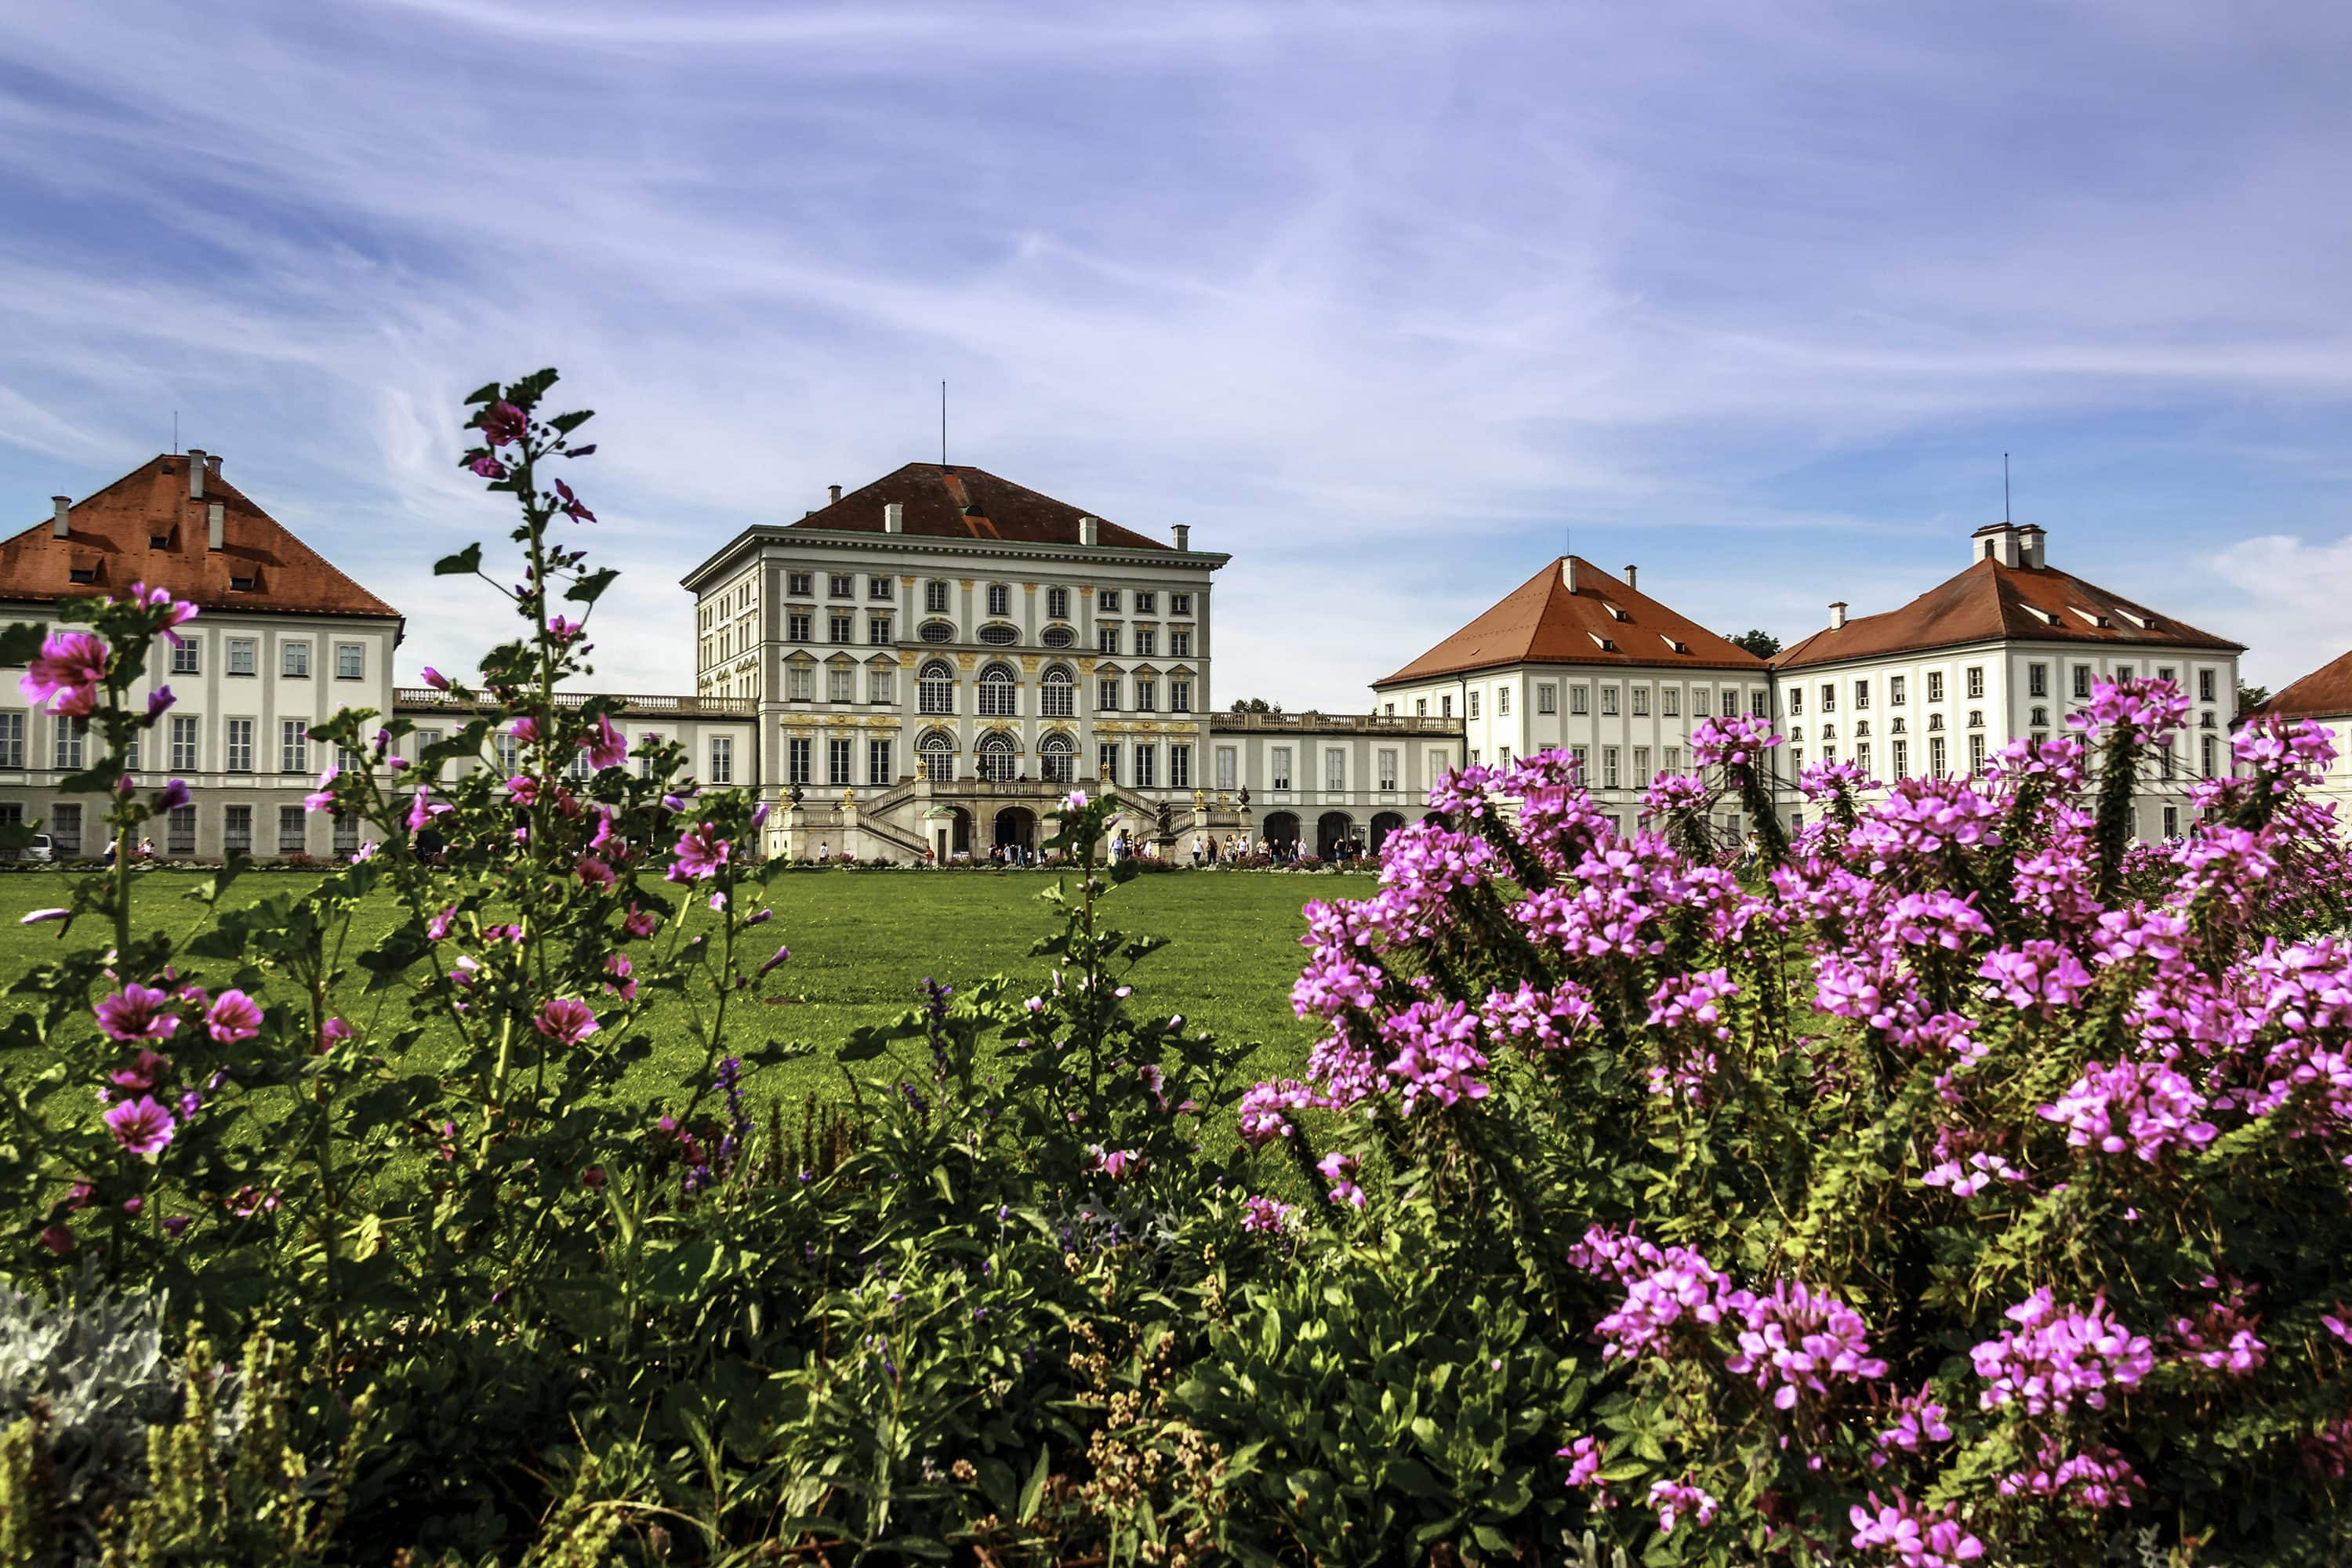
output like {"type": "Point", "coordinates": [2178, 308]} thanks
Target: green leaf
{"type": "Point", "coordinates": [20, 642]}
{"type": "Point", "coordinates": [1412, 1478]}
{"type": "Point", "coordinates": [564, 424]}
{"type": "Point", "coordinates": [486, 393]}
{"type": "Point", "coordinates": [1034, 1491]}
{"type": "Point", "coordinates": [591, 588]}
{"type": "Point", "coordinates": [463, 563]}
{"type": "Point", "coordinates": [863, 1046]}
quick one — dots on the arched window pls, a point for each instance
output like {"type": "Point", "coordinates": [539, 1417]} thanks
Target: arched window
{"type": "Point", "coordinates": [999, 756]}
{"type": "Point", "coordinates": [1057, 758]}
{"type": "Point", "coordinates": [1057, 694]}
{"type": "Point", "coordinates": [935, 688]}
{"type": "Point", "coordinates": [1000, 694]}
{"type": "Point", "coordinates": [936, 753]}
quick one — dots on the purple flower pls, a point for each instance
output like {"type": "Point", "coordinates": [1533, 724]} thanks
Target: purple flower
{"type": "Point", "coordinates": [2059, 1355]}
{"type": "Point", "coordinates": [141, 1126]}
{"type": "Point", "coordinates": [490, 467]}
{"type": "Point", "coordinates": [38, 916]}
{"type": "Point", "coordinates": [157, 701]}
{"type": "Point", "coordinates": [566, 1020]}
{"type": "Point", "coordinates": [1266, 1215]}
{"type": "Point", "coordinates": [502, 423]}
{"type": "Point", "coordinates": [573, 507]}
{"type": "Point", "coordinates": [66, 673]}
{"type": "Point", "coordinates": [435, 679]}
{"type": "Point", "coordinates": [782, 954]}
{"type": "Point", "coordinates": [699, 852]}
{"type": "Point", "coordinates": [592, 872]}
{"type": "Point", "coordinates": [323, 797]}
{"type": "Point", "coordinates": [146, 1070]}
{"type": "Point", "coordinates": [136, 1012]}
{"type": "Point", "coordinates": [173, 796]}
{"type": "Point", "coordinates": [233, 1016]}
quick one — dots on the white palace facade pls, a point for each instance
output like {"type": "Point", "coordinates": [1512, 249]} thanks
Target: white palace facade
{"type": "Point", "coordinates": [917, 669]}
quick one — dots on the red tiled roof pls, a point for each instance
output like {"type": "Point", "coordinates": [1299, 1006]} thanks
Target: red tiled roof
{"type": "Point", "coordinates": [2325, 693]}
{"type": "Point", "coordinates": [1541, 622]}
{"type": "Point", "coordinates": [1991, 600]}
{"type": "Point", "coordinates": [110, 535]}
{"type": "Point", "coordinates": [959, 501]}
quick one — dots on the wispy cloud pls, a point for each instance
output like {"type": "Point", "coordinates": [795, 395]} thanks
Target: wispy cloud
{"type": "Point", "coordinates": [1382, 299]}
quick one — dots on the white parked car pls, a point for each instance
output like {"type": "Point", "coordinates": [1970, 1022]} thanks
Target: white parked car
{"type": "Point", "coordinates": [43, 848]}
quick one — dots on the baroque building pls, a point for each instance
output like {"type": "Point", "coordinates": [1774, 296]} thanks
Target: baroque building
{"type": "Point", "coordinates": [2002, 651]}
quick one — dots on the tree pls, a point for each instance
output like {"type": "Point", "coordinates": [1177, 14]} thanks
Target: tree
{"type": "Point", "coordinates": [1762, 644]}
{"type": "Point", "coordinates": [2249, 699]}
{"type": "Point", "coordinates": [1255, 705]}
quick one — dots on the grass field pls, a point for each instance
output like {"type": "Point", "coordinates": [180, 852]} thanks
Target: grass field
{"type": "Point", "coordinates": [863, 942]}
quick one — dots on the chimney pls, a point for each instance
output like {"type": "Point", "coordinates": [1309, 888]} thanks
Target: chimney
{"type": "Point", "coordinates": [1183, 533]}
{"type": "Point", "coordinates": [196, 473]}
{"type": "Point", "coordinates": [832, 493]}
{"type": "Point", "coordinates": [59, 506]}
{"type": "Point", "coordinates": [1089, 531]}
{"type": "Point", "coordinates": [215, 524]}
{"type": "Point", "coordinates": [1568, 572]}
{"type": "Point", "coordinates": [894, 516]}
{"type": "Point", "coordinates": [2032, 550]}
{"type": "Point", "coordinates": [1837, 615]}
{"type": "Point", "coordinates": [211, 465]}
{"type": "Point", "coordinates": [1632, 576]}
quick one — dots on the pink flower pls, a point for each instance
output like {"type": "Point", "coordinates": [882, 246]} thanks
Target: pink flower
{"type": "Point", "coordinates": [572, 505]}
{"type": "Point", "coordinates": [437, 928]}
{"type": "Point", "coordinates": [566, 1020]}
{"type": "Point", "coordinates": [141, 1126]}
{"type": "Point", "coordinates": [145, 1071]}
{"type": "Point", "coordinates": [233, 1016]}
{"type": "Point", "coordinates": [782, 954]}
{"type": "Point", "coordinates": [323, 797]}
{"type": "Point", "coordinates": [136, 1012]}
{"type": "Point", "coordinates": [435, 679]}
{"type": "Point", "coordinates": [592, 872]}
{"type": "Point", "coordinates": [1116, 1163]}
{"type": "Point", "coordinates": [66, 672]}
{"type": "Point", "coordinates": [525, 731]}
{"type": "Point", "coordinates": [699, 853]}
{"type": "Point", "coordinates": [332, 1033]}
{"type": "Point", "coordinates": [490, 467]}
{"type": "Point", "coordinates": [610, 749]}
{"type": "Point", "coordinates": [1075, 801]}
{"type": "Point", "coordinates": [523, 790]}
{"type": "Point", "coordinates": [1266, 1215]}
{"type": "Point", "coordinates": [58, 1240]}
{"type": "Point", "coordinates": [1674, 1499]}
{"type": "Point", "coordinates": [641, 922]}
{"type": "Point", "coordinates": [502, 423]}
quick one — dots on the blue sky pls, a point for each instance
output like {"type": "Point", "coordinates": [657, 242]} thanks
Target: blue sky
{"type": "Point", "coordinates": [1384, 299]}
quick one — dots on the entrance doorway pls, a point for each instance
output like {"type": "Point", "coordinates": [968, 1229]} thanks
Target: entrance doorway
{"type": "Point", "coordinates": [1386, 823]}
{"type": "Point", "coordinates": [1281, 830]}
{"type": "Point", "coordinates": [1016, 828]}
{"type": "Point", "coordinates": [1332, 832]}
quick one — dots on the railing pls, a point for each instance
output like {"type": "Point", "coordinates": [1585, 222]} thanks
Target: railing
{"type": "Point", "coordinates": [1326, 723]}
{"type": "Point", "coordinates": [427, 697]}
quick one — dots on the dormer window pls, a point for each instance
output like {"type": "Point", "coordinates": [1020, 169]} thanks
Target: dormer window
{"type": "Point", "coordinates": [82, 574]}
{"type": "Point", "coordinates": [158, 541]}
{"type": "Point", "coordinates": [1607, 645]}
{"type": "Point", "coordinates": [1671, 643]}
{"type": "Point", "coordinates": [241, 585]}
{"type": "Point", "coordinates": [1615, 612]}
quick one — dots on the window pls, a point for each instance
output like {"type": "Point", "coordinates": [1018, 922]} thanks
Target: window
{"type": "Point", "coordinates": [293, 833]}
{"type": "Point", "coordinates": [71, 734]}
{"type": "Point", "coordinates": [1445, 706]}
{"type": "Point", "coordinates": [2039, 718]}
{"type": "Point", "coordinates": [1861, 695]}
{"type": "Point", "coordinates": [1894, 684]}
{"type": "Point", "coordinates": [879, 762]}
{"type": "Point", "coordinates": [1146, 601]}
{"type": "Point", "coordinates": [1421, 706]}
{"type": "Point", "coordinates": [878, 587]}
{"type": "Point", "coordinates": [800, 683]}
{"type": "Point", "coordinates": [935, 598]}
{"type": "Point", "coordinates": [1000, 696]}
{"type": "Point", "coordinates": [839, 626]}
{"type": "Point", "coordinates": [1058, 636]}
{"type": "Point", "coordinates": [1057, 694]}
{"type": "Point", "coordinates": [877, 630]}
{"type": "Point", "coordinates": [180, 830]}
{"type": "Point", "coordinates": [184, 658]}
{"type": "Point", "coordinates": [1179, 765]}
{"type": "Point", "coordinates": [1899, 754]}
{"type": "Point", "coordinates": [349, 762]}
{"type": "Point", "coordinates": [1057, 759]}
{"type": "Point", "coordinates": [1179, 603]}
{"type": "Point", "coordinates": [1147, 642]}
{"type": "Point", "coordinates": [2164, 762]}
{"type": "Point", "coordinates": [11, 739]}
{"type": "Point", "coordinates": [935, 755]}
{"type": "Point", "coordinates": [240, 745]}
{"type": "Point", "coordinates": [1976, 680]}
{"type": "Point", "coordinates": [2204, 684]}
{"type": "Point", "coordinates": [1641, 779]}
{"type": "Point", "coordinates": [1106, 761]}
{"type": "Point", "coordinates": [64, 827]}
{"type": "Point", "coordinates": [935, 688]}
{"type": "Point", "coordinates": [1828, 696]}
{"type": "Point", "coordinates": [2205, 755]}
{"type": "Point", "coordinates": [1861, 757]}
{"type": "Point", "coordinates": [236, 830]}
{"type": "Point", "coordinates": [1107, 600]}
{"type": "Point", "coordinates": [1179, 695]}
{"type": "Point", "coordinates": [293, 746]}
{"type": "Point", "coordinates": [1976, 753]}
{"type": "Point", "coordinates": [1582, 763]}
{"type": "Point", "coordinates": [1387, 760]}
{"type": "Point", "coordinates": [294, 660]}
{"type": "Point", "coordinates": [1106, 694]}
{"type": "Point", "coordinates": [796, 760]}
{"type": "Point", "coordinates": [1975, 717]}
{"type": "Point", "coordinates": [241, 655]}
{"type": "Point", "coordinates": [1228, 767]}
{"type": "Point", "coordinates": [1280, 757]}
{"type": "Point", "coordinates": [1698, 701]}
{"type": "Point", "coordinates": [1796, 702]}
{"type": "Point", "coordinates": [1580, 699]}
{"type": "Point", "coordinates": [508, 751]}
{"type": "Point", "coordinates": [1335, 768]}
{"type": "Point", "coordinates": [347, 833]}
{"type": "Point", "coordinates": [841, 585]}
{"type": "Point", "coordinates": [836, 762]}
{"type": "Point", "coordinates": [1609, 702]}
{"type": "Point", "coordinates": [2037, 680]}
{"type": "Point", "coordinates": [1609, 767]}
{"type": "Point", "coordinates": [2081, 682]}
{"type": "Point", "coordinates": [1546, 697]}
{"type": "Point", "coordinates": [722, 759]}
{"type": "Point", "coordinates": [881, 684]}
{"type": "Point", "coordinates": [800, 584]}
{"type": "Point", "coordinates": [936, 631]}
{"type": "Point", "coordinates": [1106, 640]}
{"type": "Point", "coordinates": [1058, 604]}
{"type": "Point", "coordinates": [796, 625]}
{"type": "Point", "coordinates": [1147, 760]}
{"type": "Point", "coordinates": [1670, 703]}
{"type": "Point", "coordinates": [1000, 599]}
{"type": "Point", "coordinates": [425, 740]}
{"type": "Point", "coordinates": [1473, 704]}
{"type": "Point", "coordinates": [351, 660]}
{"type": "Point", "coordinates": [1147, 695]}
{"type": "Point", "coordinates": [841, 683]}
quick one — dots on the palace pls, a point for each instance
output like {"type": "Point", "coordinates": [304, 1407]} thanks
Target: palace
{"type": "Point", "coordinates": [917, 668]}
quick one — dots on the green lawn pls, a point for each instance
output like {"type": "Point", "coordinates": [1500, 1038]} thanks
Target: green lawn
{"type": "Point", "coordinates": [863, 942]}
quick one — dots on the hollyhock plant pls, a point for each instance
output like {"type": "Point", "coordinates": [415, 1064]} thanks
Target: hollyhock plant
{"type": "Point", "coordinates": [141, 1126]}
{"type": "Point", "coordinates": [233, 1016]}
{"type": "Point", "coordinates": [137, 1013]}
{"type": "Point", "coordinates": [566, 1020]}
